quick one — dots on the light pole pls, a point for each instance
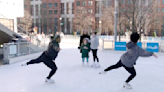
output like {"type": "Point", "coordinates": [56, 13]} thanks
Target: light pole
{"type": "Point", "coordinates": [60, 24]}
{"type": "Point", "coordinates": [100, 27]}
{"type": "Point", "coordinates": [115, 21]}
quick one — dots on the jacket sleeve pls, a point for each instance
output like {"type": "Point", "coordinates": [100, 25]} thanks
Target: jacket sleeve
{"type": "Point", "coordinates": [97, 41]}
{"type": "Point", "coordinates": [89, 47]}
{"type": "Point", "coordinates": [55, 47]}
{"type": "Point", "coordinates": [81, 47]}
{"type": "Point", "coordinates": [144, 53]}
{"type": "Point", "coordinates": [81, 38]}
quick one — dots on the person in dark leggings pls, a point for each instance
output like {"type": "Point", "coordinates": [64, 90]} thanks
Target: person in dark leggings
{"type": "Point", "coordinates": [47, 61]}
{"type": "Point", "coordinates": [48, 56]}
{"type": "Point", "coordinates": [94, 52]}
{"type": "Point", "coordinates": [131, 70]}
{"type": "Point", "coordinates": [94, 48]}
{"type": "Point", "coordinates": [128, 60]}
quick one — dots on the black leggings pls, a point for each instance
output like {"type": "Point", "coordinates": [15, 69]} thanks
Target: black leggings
{"type": "Point", "coordinates": [130, 70]}
{"type": "Point", "coordinates": [47, 61]}
{"type": "Point", "coordinates": [94, 52]}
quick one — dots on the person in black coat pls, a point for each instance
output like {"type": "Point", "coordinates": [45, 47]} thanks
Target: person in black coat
{"type": "Point", "coordinates": [85, 35]}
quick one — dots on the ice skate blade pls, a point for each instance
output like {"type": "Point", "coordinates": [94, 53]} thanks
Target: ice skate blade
{"type": "Point", "coordinates": [49, 82]}
{"type": "Point", "coordinates": [127, 87]}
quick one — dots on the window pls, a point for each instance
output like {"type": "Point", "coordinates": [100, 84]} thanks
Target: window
{"type": "Point", "coordinates": [129, 1]}
{"type": "Point", "coordinates": [158, 10]}
{"type": "Point", "coordinates": [109, 3]}
{"type": "Point", "coordinates": [162, 9]}
{"type": "Point", "coordinates": [163, 1]}
{"type": "Point", "coordinates": [37, 22]}
{"type": "Point", "coordinates": [55, 11]}
{"type": "Point", "coordinates": [90, 11]}
{"type": "Point", "coordinates": [44, 5]}
{"type": "Point", "coordinates": [37, 10]}
{"type": "Point", "coordinates": [50, 21]}
{"type": "Point", "coordinates": [83, 3]}
{"type": "Point", "coordinates": [55, 4]}
{"type": "Point", "coordinates": [31, 10]}
{"type": "Point", "coordinates": [68, 8]}
{"type": "Point", "coordinates": [50, 12]}
{"type": "Point", "coordinates": [104, 3]}
{"type": "Point", "coordinates": [72, 8]}
{"type": "Point", "coordinates": [62, 8]}
{"type": "Point", "coordinates": [150, 2]}
{"type": "Point", "coordinates": [158, 1]}
{"type": "Point", "coordinates": [90, 2]}
{"type": "Point", "coordinates": [123, 1]}
{"type": "Point", "coordinates": [44, 12]}
{"type": "Point", "coordinates": [144, 2]}
{"type": "Point", "coordinates": [41, 9]}
{"type": "Point", "coordinates": [45, 21]}
{"type": "Point", "coordinates": [78, 3]}
{"type": "Point", "coordinates": [25, 6]}
{"type": "Point", "coordinates": [45, 25]}
{"type": "Point", "coordinates": [50, 4]}
{"type": "Point", "coordinates": [97, 7]}
{"type": "Point", "coordinates": [56, 23]}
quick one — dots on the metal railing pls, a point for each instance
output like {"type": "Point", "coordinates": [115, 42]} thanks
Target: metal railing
{"type": "Point", "coordinates": [13, 50]}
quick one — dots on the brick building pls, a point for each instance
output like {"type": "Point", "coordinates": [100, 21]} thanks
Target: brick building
{"type": "Point", "coordinates": [55, 15]}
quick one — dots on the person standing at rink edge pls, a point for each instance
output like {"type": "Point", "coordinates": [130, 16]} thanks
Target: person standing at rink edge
{"type": "Point", "coordinates": [94, 47]}
{"type": "Point", "coordinates": [85, 35]}
{"type": "Point", "coordinates": [128, 60]}
{"type": "Point", "coordinates": [48, 56]}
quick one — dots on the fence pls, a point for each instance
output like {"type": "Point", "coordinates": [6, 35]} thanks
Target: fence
{"type": "Point", "coordinates": [12, 50]}
{"type": "Point", "coordinates": [121, 46]}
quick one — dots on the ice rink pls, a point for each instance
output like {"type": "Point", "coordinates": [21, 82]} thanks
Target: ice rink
{"type": "Point", "coordinates": [72, 77]}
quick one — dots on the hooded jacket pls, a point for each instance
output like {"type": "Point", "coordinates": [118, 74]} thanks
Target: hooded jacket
{"type": "Point", "coordinates": [94, 42]}
{"type": "Point", "coordinates": [52, 50]}
{"type": "Point", "coordinates": [134, 51]}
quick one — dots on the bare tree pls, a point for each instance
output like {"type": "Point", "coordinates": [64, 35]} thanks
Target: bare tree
{"type": "Point", "coordinates": [83, 19]}
{"type": "Point", "coordinates": [107, 19]}
{"type": "Point", "coordinates": [26, 21]}
{"type": "Point", "coordinates": [139, 16]}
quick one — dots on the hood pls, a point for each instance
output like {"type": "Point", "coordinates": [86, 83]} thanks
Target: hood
{"type": "Point", "coordinates": [56, 36]}
{"type": "Point", "coordinates": [94, 36]}
{"type": "Point", "coordinates": [130, 45]}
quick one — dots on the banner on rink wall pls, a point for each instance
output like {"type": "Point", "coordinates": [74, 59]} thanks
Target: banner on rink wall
{"type": "Point", "coordinates": [139, 44]}
{"type": "Point", "coordinates": [120, 46]}
{"type": "Point", "coordinates": [152, 47]}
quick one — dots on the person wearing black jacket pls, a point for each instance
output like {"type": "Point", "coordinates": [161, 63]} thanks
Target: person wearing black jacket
{"type": "Point", "coordinates": [48, 56]}
{"type": "Point", "coordinates": [85, 35]}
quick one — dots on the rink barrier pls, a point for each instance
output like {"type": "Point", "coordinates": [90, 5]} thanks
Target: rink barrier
{"type": "Point", "coordinates": [123, 38]}
{"type": "Point", "coordinates": [121, 46]}
{"type": "Point", "coordinates": [15, 50]}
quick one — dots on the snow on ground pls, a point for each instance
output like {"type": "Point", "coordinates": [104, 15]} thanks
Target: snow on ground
{"type": "Point", "coordinates": [72, 77]}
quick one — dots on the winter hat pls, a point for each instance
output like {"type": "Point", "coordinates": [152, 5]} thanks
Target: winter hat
{"type": "Point", "coordinates": [88, 40]}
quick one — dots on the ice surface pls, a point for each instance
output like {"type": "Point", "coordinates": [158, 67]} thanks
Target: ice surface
{"type": "Point", "coordinates": [72, 77]}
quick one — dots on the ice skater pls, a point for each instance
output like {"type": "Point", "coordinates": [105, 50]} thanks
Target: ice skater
{"type": "Point", "coordinates": [48, 56]}
{"type": "Point", "coordinates": [128, 60]}
{"type": "Point", "coordinates": [94, 47]}
{"type": "Point", "coordinates": [85, 48]}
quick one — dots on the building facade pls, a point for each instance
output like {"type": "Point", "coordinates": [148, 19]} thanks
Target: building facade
{"type": "Point", "coordinates": [10, 10]}
{"type": "Point", "coordinates": [54, 15]}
